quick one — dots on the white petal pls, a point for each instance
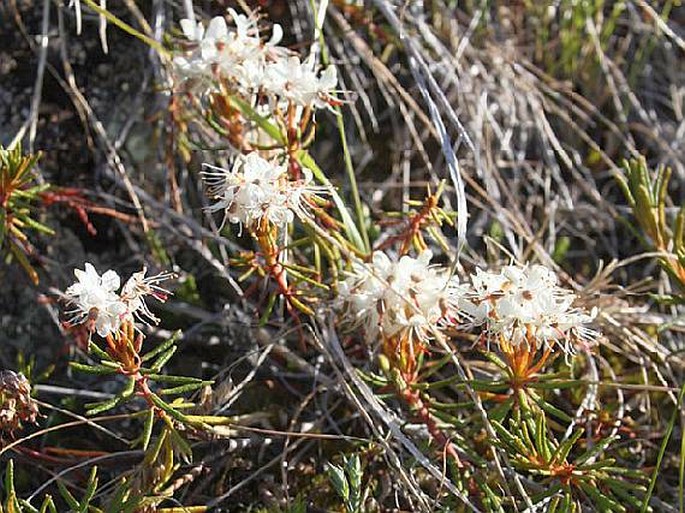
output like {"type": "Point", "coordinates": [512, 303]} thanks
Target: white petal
{"type": "Point", "coordinates": [329, 79]}
{"type": "Point", "coordinates": [193, 31]}
{"type": "Point", "coordinates": [276, 35]}
{"type": "Point", "coordinates": [217, 28]}
{"type": "Point", "coordinates": [110, 281]}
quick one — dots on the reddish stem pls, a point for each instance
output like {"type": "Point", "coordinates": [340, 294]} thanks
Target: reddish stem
{"type": "Point", "coordinates": [416, 403]}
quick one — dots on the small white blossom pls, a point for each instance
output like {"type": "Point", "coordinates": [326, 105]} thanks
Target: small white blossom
{"type": "Point", "coordinates": [298, 82]}
{"type": "Point", "coordinates": [138, 286]}
{"type": "Point", "coordinates": [255, 190]}
{"type": "Point", "coordinates": [405, 297]}
{"type": "Point", "coordinates": [251, 66]}
{"type": "Point", "coordinates": [194, 31]}
{"type": "Point", "coordinates": [96, 296]}
{"type": "Point", "coordinates": [238, 55]}
{"type": "Point", "coordinates": [526, 305]}
{"type": "Point", "coordinates": [199, 63]}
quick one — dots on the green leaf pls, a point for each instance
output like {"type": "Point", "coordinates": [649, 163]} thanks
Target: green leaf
{"type": "Point", "coordinates": [163, 346]}
{"type": "Point", "coordinates": [182, 445]}
{"type": "Point", "coordinates": [96, 408]}
{"type": "Point", "coordinates": [153, 452]}
{"type": "Point", "coordinates": [9, 478]}
{"type": "Point", "coordinates": [19, 254]}
{"type": "Point", "coordinates": [25, 505]}
{"type": "Point", "coordinates": [48, 505]}
{"type": "Point", "coordinates": [31, 223]}
{"type": "Point", "coordinates": [565, 447]}
{"type": "Point", "coordinates": [168, 378]}
{"type": "Point", "coordinates": [92, 369]}
{"type": "Point", "coordinates": [605, 503]}
{"type": "Point", "coordinates": [353, 468]}
{"type": "Point", "coordinates": [350, 228]}
{"type": "Point", "coordinates": [163, 359]}
{"type": "Point", "coordinates": [130, 387]}
{"type": "Point", "coordinates": [494, 503]}
{"type": "Point", "coordinates": [181, 389]}
{"type": "Point", "coordinates": [339, 481]}
{"type": "Point", "coordinates": [567, 504]}
{"type": "Point", "coordinates": [67, 496]}
{"type": "Point", "coordinates": [264, 318]}
{"type": "Point", "coordinates": [148, 424]}
{"type": "Point", "coordinates": [175, 414]}
{"type": "Point", "coordinates": [552, 490]}
{"type": "Point", "coordinates": [555, 384]}
{"type": "Point", "coordinates": [541, 438]}
{"type": "Point", "coordinates": [103, 355]}
{"type": "Point", "coordinates": [595, 450]}
{"type": "Point", "coordinates": [500, 411]}
{"type": "Point", "coordinates": [553, 410]}
{"type": "Point", "coordinates": [620, 489]}
{"type": "Point", "coordinates": [116, 501]}
{"type": "Point", "coordinates": [662, 449]}
{"type": "Point", "coordinates": [515, 444]}
{"type": "Point", "coordinates": [90, 490]}
{"type": "Point", "coordinates": [496, 360]}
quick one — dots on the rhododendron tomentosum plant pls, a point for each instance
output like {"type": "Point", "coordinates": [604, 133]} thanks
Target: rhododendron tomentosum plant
{"type": "Point", "coordinates": [101, 305]}
{"type": "Point", "coordinates": [260, 195]}
{"type": "Point", "coordinates": [521, 309]}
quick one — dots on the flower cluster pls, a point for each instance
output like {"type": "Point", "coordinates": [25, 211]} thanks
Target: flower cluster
{"type": "Point", "coordinates": [256, 190]}
{"type": "Point", "coordinates": [96, 299]}
{"type": "Point", "coordinates": [518, 305]}
{"type": "Point", "coordinates": [525, 305]}
{"type": "Point", "coordinates": [16, 404]}
{"type": "Point", "coordinates": [408, 296]}
{"type": "Point", "coordinates": [240, 59]}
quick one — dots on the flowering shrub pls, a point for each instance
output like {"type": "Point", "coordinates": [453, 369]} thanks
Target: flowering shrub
{"type": "Point", "coordinates": [331, 310]}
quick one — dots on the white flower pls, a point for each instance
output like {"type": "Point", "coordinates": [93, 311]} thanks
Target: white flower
{"type": "Point", "coordinates": [251, 66]}
{"type": "Point", "coordinates": [407, 297]}
{"type": "Point", "coordinates": [194, 31]}
{"type": "Point", "coordinates": [526, 305]}
{"type": "Point", "coordinates": [95, 296]}
{"type": "Point", "coordinates": [137, 287]}
{"type": "Point", "coordinates": [298, 82]}
{"type": "Point", "coordinates": [257, 190]}
{"type": "Point", "coordinates": [198, 64]}
{"type": "Point", "coordinates": [238, 55]}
